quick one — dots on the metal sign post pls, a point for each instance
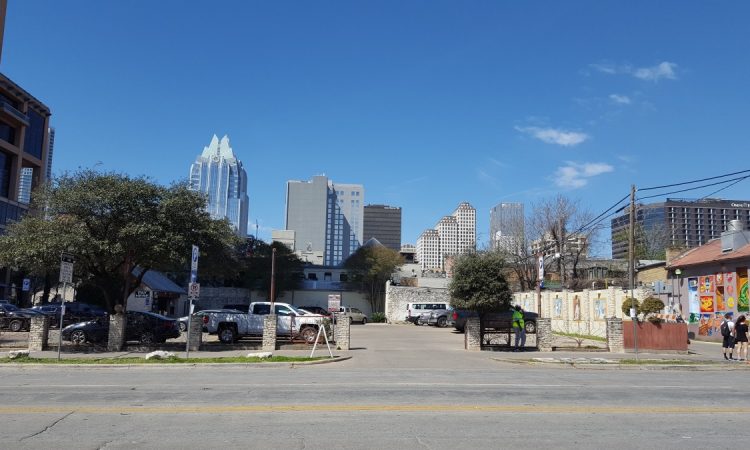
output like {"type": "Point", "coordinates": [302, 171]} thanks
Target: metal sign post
{"type": "Point", "coordinates": [194, 290]}
{"type": "Point", "coordinates": [66, 276]}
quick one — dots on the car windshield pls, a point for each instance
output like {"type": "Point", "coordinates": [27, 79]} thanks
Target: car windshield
{"type": "Point", "coordinates": [9, 307]}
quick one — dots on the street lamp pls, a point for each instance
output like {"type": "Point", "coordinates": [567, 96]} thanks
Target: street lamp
{"type": "Point", "coordinates": [678, 272]}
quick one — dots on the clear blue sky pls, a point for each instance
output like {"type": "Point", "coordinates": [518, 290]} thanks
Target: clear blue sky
{"type": "Point", "coordinates": [425, 103]}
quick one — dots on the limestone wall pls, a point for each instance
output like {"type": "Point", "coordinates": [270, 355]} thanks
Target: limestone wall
{"type": "Point", "coordinates": [397, 297]}
{"type": "Point", "coordinates": [579, 312]}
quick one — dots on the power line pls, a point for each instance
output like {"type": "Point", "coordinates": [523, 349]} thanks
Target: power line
{"type": "Point", "coordinates": [694, 188]}
{"type": "Point", "coordinates": [725, 187]}
{"type": "Point", "coordinates": [693, 181]}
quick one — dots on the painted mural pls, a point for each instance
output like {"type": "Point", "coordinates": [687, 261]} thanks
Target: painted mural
{"type": "Point", "coordinates": [576, 308]}
{"type": "Point", "coordinates": [706, 285]}
{"type": "Point", "coordinates": [693, 302]}
{"type": "Point", "coordinates": [600, 309]}
{"type": "Point", "coordinates": [709, 324]}
{"type": "Point", "coordinates": [742, 296]}
{"type": "Point", "coordinates": [558, 307]}
{"type": "Point", "coordinates": [721, 304]}
{"type": "Point", "coordinates": [707, 303]}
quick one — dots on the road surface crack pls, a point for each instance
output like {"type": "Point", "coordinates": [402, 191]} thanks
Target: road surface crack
{"type": "Point", "coordinates": [420, 442]}
{"type": "Point", "coordinates": [47, 427]}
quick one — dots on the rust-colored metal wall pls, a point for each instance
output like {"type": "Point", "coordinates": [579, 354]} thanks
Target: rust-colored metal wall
{"type": "Point", "coordinates": [661, 336]}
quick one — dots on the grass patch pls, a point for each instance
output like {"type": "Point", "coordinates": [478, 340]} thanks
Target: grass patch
{"type": "Point", "coordinates": [590, 337]}
{"type": "Point", "coordinates": [175, 360]}
{"type": "Point", "coordinates": [671, 362]}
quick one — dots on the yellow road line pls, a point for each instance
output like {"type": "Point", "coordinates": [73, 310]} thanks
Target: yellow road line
{"type": "Point", "coordinates": [225, 409]}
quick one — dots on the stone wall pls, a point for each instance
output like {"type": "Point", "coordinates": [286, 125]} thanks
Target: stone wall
{"type": "Point", "coordinates": [38, 333]}
{"type": "Point", "coordinates": [615, 339]}
{"type": "Point", "coordinates": [544, 335]}
{"type": "Point", "coordinates": [472, 334]}
{"type": "Point", "coordinates": [116, 340]}
{"type": "Point", "coordinates": [397, 297]}
{"type": "Point", "coordinates": [579, 312]}
{"type": "Point", "coordinates": [269, 333]}
{"type": "Point", "coordinates": [196, 333]}
{"type": "Point", "coordinates": [342, 332]}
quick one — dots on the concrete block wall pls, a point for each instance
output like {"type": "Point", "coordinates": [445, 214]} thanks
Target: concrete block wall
{"type": "Point", "coordinates": [39, 333]}
{"type": "Point", "coordinates": [397, 297]}
{"type": "Point", "coordinates": [579, 312]}
{"type": "Point", "coordinates": [269, 333]}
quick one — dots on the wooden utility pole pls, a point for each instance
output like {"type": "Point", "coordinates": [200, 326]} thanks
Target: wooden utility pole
{"type": "Point", "coordinates": [631, 240]}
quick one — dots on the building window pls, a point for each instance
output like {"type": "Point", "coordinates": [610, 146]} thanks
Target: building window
{"type": "Point", "coordinates": [34, 142]}
{"type": "Point", "coordinates": [5, 166]}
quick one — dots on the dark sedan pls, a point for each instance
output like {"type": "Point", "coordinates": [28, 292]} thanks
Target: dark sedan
{"type": "Point", "coordinates": [14, 318]}
{"type": "Point", "coordinates": [144, 327]}
{"type": "Point", "coordinates": [74, 312]}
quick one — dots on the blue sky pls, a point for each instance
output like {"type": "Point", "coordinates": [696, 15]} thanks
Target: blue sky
{"type": "Point", "coordinates": [425, 103]}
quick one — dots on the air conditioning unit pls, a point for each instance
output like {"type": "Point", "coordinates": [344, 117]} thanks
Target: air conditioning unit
{"type": "Point", "coordinates": [661, 287]}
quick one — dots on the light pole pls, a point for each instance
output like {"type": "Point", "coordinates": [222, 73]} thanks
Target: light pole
{"type": "Point", "coordinates": [678, 272]}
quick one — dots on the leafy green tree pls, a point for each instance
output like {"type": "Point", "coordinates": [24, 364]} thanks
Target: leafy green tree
{"type": "Point", "coordinates": [372, 266]}
{"type": "Point", "coordinates": [479, 284]}
{"type": "Point", "coordinates": [112, 223]}
{"type": "Point", "coordinates": [256, 268]}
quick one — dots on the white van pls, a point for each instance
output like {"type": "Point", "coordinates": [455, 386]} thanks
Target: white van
{"type": "Point", "coordinates": [414, 310]}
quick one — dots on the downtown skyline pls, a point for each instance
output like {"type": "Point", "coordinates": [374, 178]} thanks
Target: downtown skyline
{"type": "Point", "coordinates": [426, 105]}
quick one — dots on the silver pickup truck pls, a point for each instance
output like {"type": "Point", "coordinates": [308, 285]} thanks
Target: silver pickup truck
{"type": "Point", "coordinates": [289, 322]}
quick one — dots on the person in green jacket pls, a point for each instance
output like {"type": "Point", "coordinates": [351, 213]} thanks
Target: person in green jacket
{"type": "Point", "coordinates": [519, 328]}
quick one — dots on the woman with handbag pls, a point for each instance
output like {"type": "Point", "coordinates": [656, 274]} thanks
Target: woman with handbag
{"type": "Point", "coordinates": [740, 337]}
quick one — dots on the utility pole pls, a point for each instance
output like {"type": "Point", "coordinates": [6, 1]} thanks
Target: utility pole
{"type": "Point", "coordinates": [631, 264]}
{"type": "Point", "coordinates": [273, 279]}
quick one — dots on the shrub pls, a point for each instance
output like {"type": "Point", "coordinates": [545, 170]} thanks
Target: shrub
{"type": "Point", "coordinates": [631, 303]}
{"type": "Point", "coordinates": [378, 317]}
{"type": "Point", "coordinates": [651, 306]}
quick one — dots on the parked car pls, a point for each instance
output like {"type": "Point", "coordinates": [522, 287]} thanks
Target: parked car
{"type": "Point", "coordinates": [354, 314]}
{"type": "Point", "coordinates": [415, 310]}
{"type": "Point", "coordinates": [143, 327]}
{"type": "Point", "coordinates": [183, 321]}
{"type": "Point", "coordinates": [289, 322]}
{"type": "Point", "coordinates": [316, 310]}
{"type": "Point", "coordinates": [14, 318]}
{"type": "Point", "coordinates": [501, 319]}
{"type": "Point", "coordinates": [74, 312]}
{"type": "Point", "coordinates": [238, 307]}
{"type": "Point", "coordinates": [440, 317]}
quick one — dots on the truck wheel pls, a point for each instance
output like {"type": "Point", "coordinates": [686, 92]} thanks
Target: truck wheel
{"type": "Point", "coordinates": [530, 327]}
{"type": "Point", "coordinates": [309, 334]}
{"type": "Point", "coordinates": [441, 322]}
{"type": "Point", "coordinates": [16, 326]}
{"type": "Point", "coordinates": [183, 327]}
{"type": "Point", "coordinates": [227, 335]}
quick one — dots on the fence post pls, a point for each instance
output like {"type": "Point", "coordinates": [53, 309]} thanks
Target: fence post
{"type": "Point", "coordinates": [342, 332]}
{"type": "Point", "coordinates": [472, 334]}
{"type": "Point", "coordinates": [269, 333]}
{"type": "Point", "coordinates": [544, 334]}
{"type": "Point", "coordinates": [615, 338]}
{"type": "Point", "coordinates": [38, 333]}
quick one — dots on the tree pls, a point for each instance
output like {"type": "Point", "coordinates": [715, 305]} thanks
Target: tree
{"type": "Point", "coordinates": [479, 284]}
{"type": "Point", "coordinates": [372, 266]}
{"type": "Point", "coordinates": [514, 248]}
{"type": "Point", "coordinates": [256, 269]}
{"type": "Point", "coordinates": [562, 226]}
{"type": "Point", "coordinates": [114, 223]}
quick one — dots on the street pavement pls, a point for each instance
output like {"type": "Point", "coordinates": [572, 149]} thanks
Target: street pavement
{"type": "Point", "coordinates": [405, 387]}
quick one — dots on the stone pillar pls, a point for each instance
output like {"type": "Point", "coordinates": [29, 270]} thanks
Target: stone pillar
{"type": "Point", "coordinates": [615, 339]}
{"type": "Point", "coordinates": [342, 332]}
{"type": "Point", "coordinates": [544, 334]}
{"type": "Point", "coordinates": [269, 333]}
{"type": "Point", "coordinates": [38, 333]}
{"type": "Point", "coordinates": [116, 339]}
{"type": "Point", "coordinates": [472, 335]}
{"type": "Point", "coordinates": [196, 333]}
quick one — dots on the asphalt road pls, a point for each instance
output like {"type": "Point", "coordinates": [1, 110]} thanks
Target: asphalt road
{"type": "Point", "coordinates": [406, 387]}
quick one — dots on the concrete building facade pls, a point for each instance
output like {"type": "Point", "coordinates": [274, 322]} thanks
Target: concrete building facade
{"type": "Point", "coordinates": [327, 219]}
{"type": "Point", "coordinates": [507, 227]}
{"type": "Point", "coordinates": [452, 235]}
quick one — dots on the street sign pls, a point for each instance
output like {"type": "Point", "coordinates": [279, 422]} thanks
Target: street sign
{"type": "Point", "coordinates": [194, 290]}
{"type": "Point", "coordinates": [194, 264]}
{"type": "Point", "coordinates": [66, 268]}
{"type": "Point", "coordinates": [334, 302]}
{"type": "Point", "coordinates": [26, 285]}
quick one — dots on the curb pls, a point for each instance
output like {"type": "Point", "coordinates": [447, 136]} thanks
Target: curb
{"type": "Point", "coordinates": [177, 365]}
{"type": "Point", "coordinates": [618, 366]}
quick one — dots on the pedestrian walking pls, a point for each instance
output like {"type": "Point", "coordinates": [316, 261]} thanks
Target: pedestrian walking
{"type": "Point", "coordinates": [519, 328]}
{"type": "Point", "coordinates": [740, 337]}
{"type": "Point", "coordinates": [727, 328]}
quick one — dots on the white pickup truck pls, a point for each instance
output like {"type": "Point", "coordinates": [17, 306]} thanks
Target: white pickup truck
{"type": "Point", "coordinates": [289, 322]}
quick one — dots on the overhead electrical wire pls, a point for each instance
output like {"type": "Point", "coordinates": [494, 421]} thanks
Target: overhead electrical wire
{"type": "Point", "coordinates": [693, 181]}
{"type": "Point", "coordinates": [693, 188]}
{"type": "Point", "coordinates": [725, 187]}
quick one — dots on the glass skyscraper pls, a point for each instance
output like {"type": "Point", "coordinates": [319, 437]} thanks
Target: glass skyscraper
{"type": "Point", "coordinates": [219, 174]}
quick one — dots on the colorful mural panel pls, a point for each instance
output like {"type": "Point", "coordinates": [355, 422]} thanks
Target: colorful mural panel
{"type": "Point", "coordinates": [706, 285]}
{"type": "Point", "coordinates": [743, 305]}
{"type": "Point", "coordinates": [600, 309]}
{"type": "Point", "coordinates": [720, 303]}
{"type": "Point", "coordinates": [558, 308]}
{"type": "Point", "coordinates": [707, 303]}
{"type": "Point", "coordinates": [693, 302]}
{"type": "Point", "coordinates": [694, 318]}
{"type": "Point", "coordinates": [709, 324]}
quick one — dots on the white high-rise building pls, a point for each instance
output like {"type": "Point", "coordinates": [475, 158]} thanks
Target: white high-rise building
{"type": "Point", "coordinates": [219, 174]}
{"type": "Point", "coordinates": [453, 235]}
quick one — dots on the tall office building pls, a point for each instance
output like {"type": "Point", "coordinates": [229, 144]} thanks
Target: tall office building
{"type": "Point", "coordinates": [327, 219]}
{"type": "Point", "coordinates": [24, 123]}
{"type": "Point", "coordinates": [507, 227]}
{"type": "Point", "coordinates": [383, 223]}
{"type": "Point", "coordinates": [219, 174]}
{"type": "Point", "coordinates": [679, 222]}
{"type": "Point", "coordinates": [452, 235]}
{"type": "Point", "coordinates": [50, 151]}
